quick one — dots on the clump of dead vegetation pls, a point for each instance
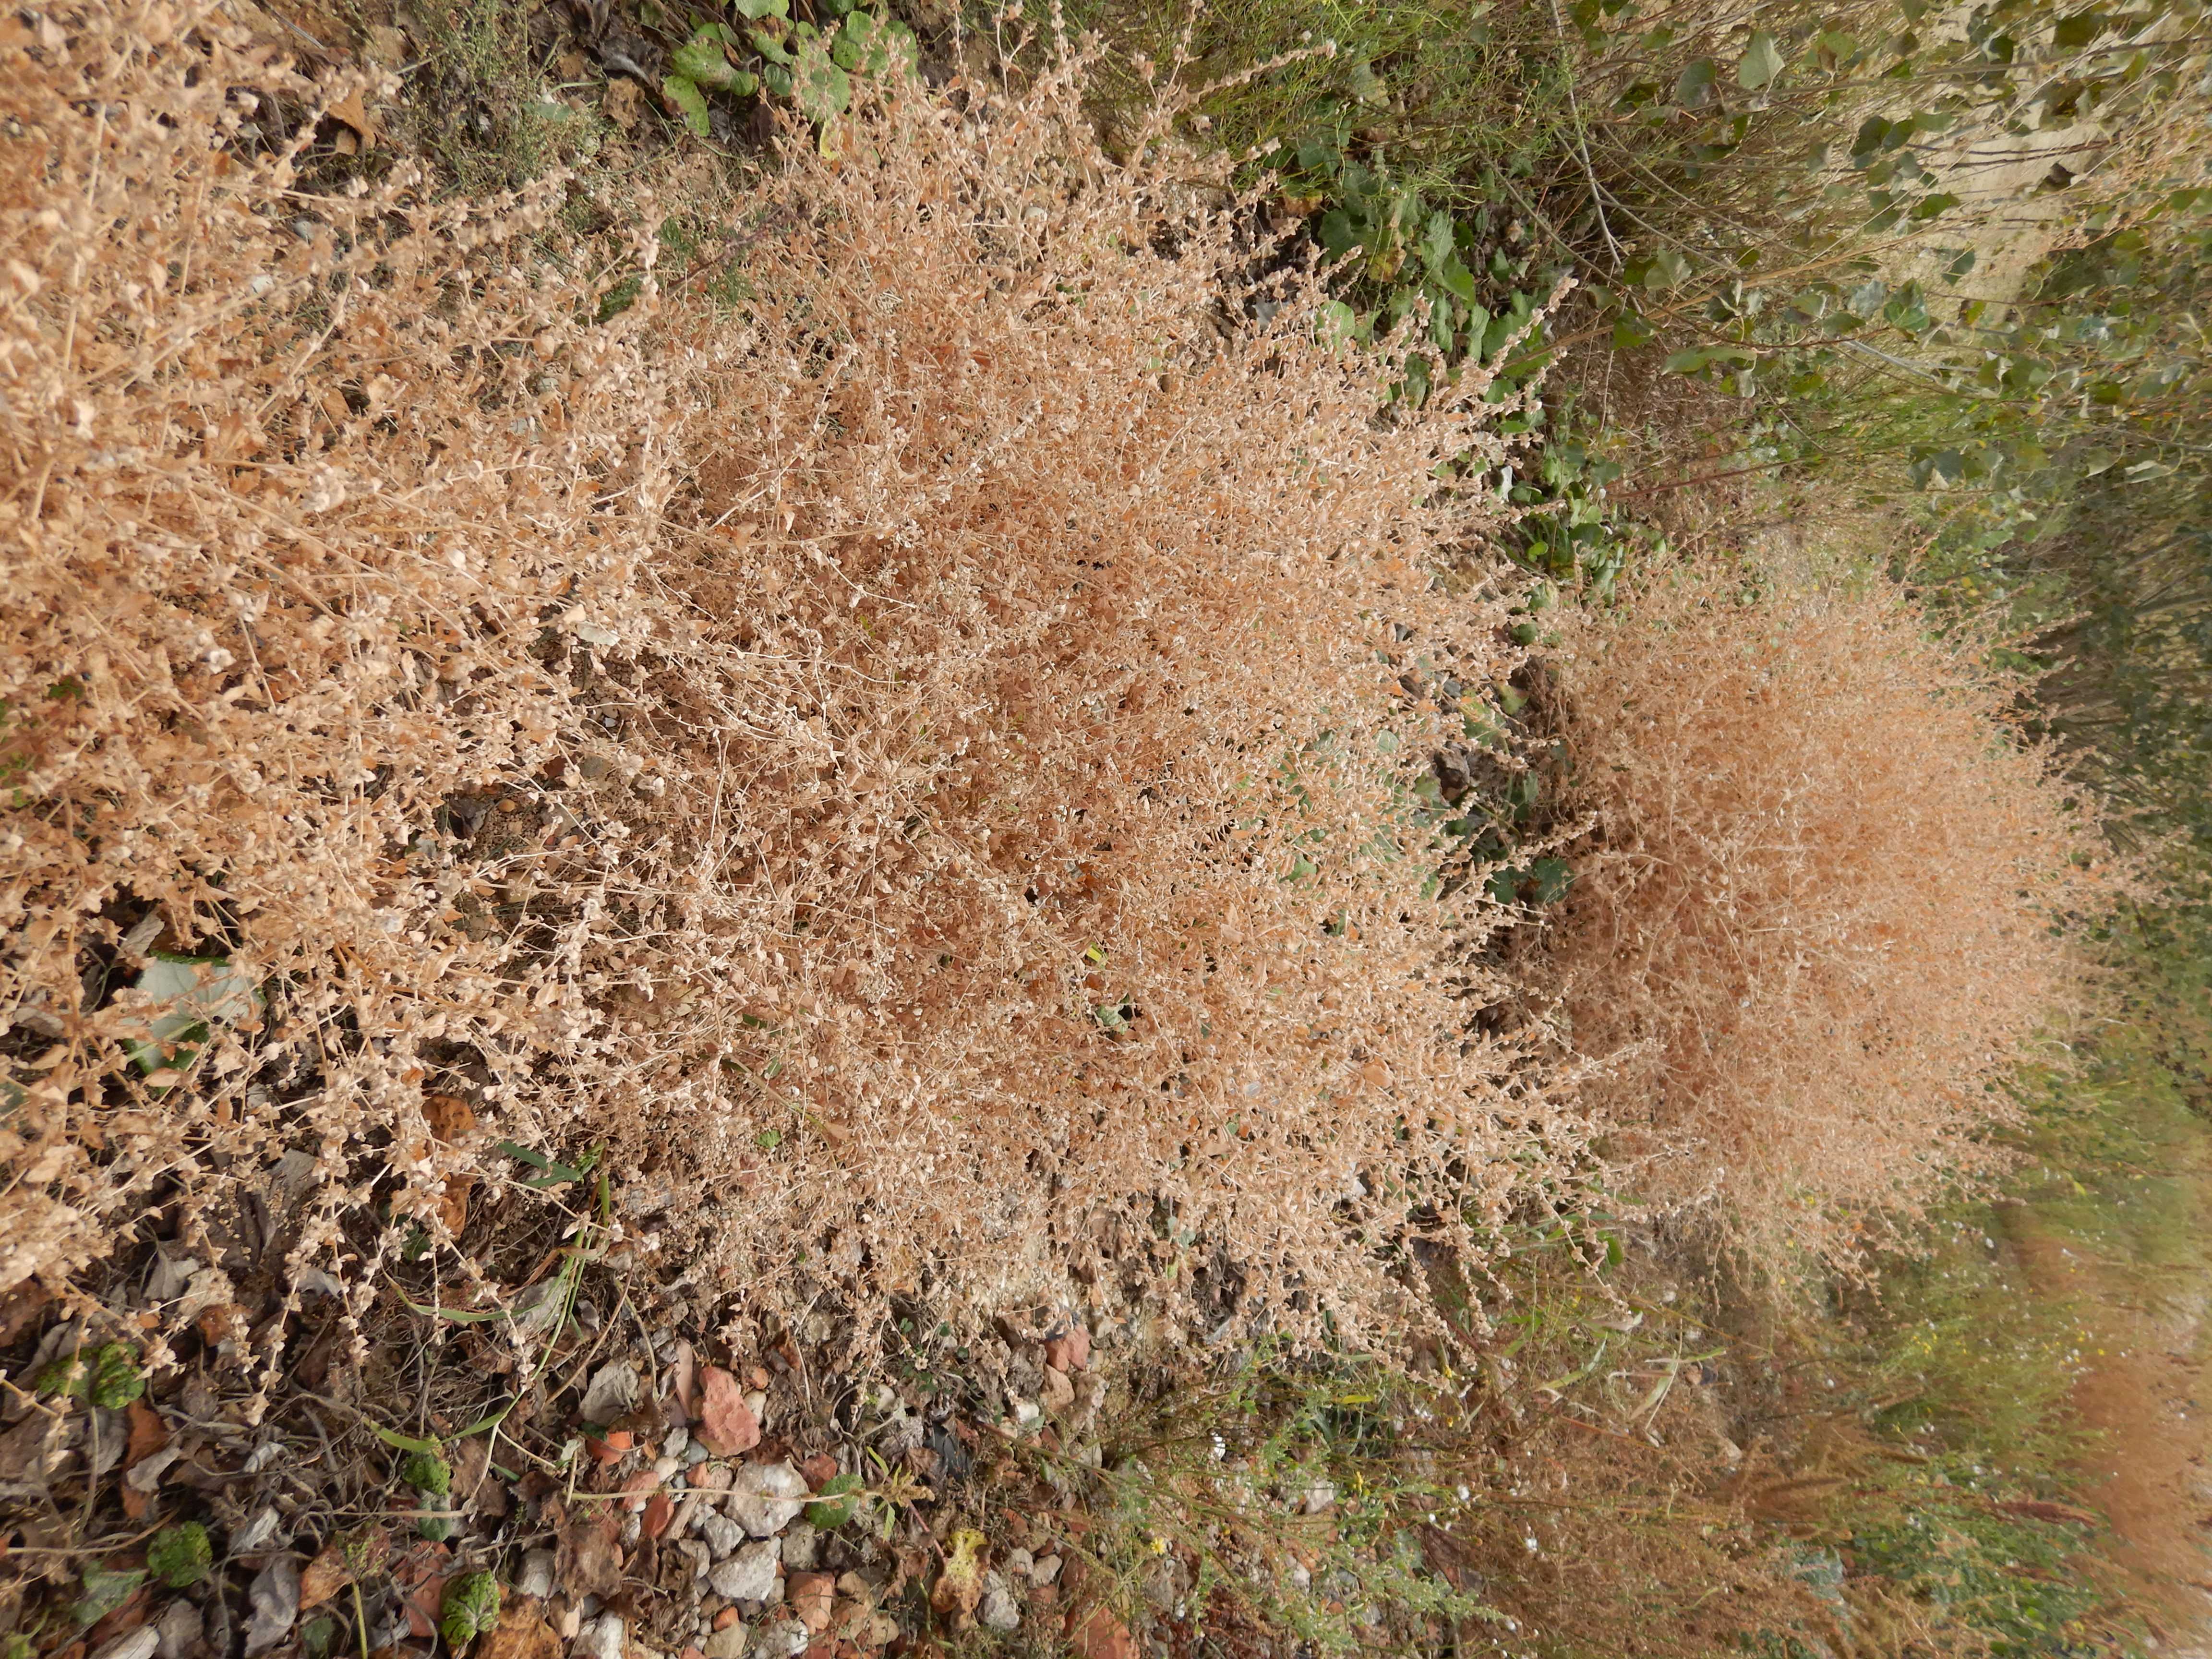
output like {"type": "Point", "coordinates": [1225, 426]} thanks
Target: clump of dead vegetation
{"type": "Point", "coordinates": [916, 765]}
{"type": "Point", "coordinates": [1825, 910]}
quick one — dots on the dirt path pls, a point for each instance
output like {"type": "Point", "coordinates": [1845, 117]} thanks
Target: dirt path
{"type": "Point", "coordinates": [2148, 1396]}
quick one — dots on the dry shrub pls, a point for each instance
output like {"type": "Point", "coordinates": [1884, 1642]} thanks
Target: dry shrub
{"type": "Point", "coordinates": [1824, 911]}
{"type": "Point", "coordinates": [904, 764]}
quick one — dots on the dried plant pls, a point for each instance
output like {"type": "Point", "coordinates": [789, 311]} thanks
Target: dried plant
{"type": "Point", "coordinates": [1825, 910]}
{"type": "Point", "coordinates": [916, 764]}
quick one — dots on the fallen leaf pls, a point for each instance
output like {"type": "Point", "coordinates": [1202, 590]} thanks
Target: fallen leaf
{"type": "Point", "coordinates": [349, 110]}
{"type": "Point", "coordinates": [612, 1395]}
{"type": "Point", "coordinates": [659, 1511]}
{"type": "Point", "coordinates": [275, 1596]}
{"type": "Point", "coordinates": [620, 104]}
{"type": "Point", "coordinates": [683, 1378]}
{"type": "Point", "coordinates": [588, 1561]}
{"type": "Point", "coordinates": [148, 1435]}
{"type": "Point", "coordinates": [20, 1308]}
{"type": "Point", "coordinates": [474, 1481]}
{"type": "Point", "coordinates": [726, 1424]}
{"type": "Point", "coordinates": [325, 1575]}
{"type": "Point", "coordinates": [521, 1633]}
{"type": "Point", "coordinates": [960, 1585]}
{"type": "Point", "coordinates": [451, 1119]}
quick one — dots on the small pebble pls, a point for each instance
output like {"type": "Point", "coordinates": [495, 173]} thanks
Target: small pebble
{"type": "Point", "coordinates": [535, 1577]}
{"type": "Point", "coordinates": [728, 1643]}
{"type": "Point", "coordinates": [800, 1545]}
{"type": "Point", "coordinates": [678, 1443]}
{"type": "Point", "coordinates": [1045, 1572]}
{"type": "Point", "coordinates": [723, 1535]}
{"type": "Point", "coordinates": [603, 1639]}
{"type": "Point", "coordinates": [1020, 1564]}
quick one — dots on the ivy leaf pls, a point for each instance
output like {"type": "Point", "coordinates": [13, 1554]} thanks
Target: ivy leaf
{"type": "Point", "coordinates": [690, 102]}
{"type": "Point", "coordinates": [1760, 63]}
{"type": "Point", "coordinates": [820, 90]}
{"type": "Point", "coordinates": [868, 44]}
{"type": "Point", "coordinates": [700, 61]}
{"type": "Point", "coordinates": [754, 10]}
{"type": "Point", "coordinates": [1458, 280]}
{"type": "Point", "coordinates": [1694, 88]}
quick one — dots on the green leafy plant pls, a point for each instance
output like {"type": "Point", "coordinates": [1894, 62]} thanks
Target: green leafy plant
{"type": "Point", "coordinates": [469, 1608]}
{"type": "Point", "coordinates": [837, 1503]}
{"type": "Point", "coordinates": [180, 1555]}
{"type": "Point", "coordinates": [700, 65]}
{"type": "Point", "coordinates": [110, 1378]}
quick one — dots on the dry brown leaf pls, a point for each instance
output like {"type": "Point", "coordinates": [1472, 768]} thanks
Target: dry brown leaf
{"type": "Point", "coordinates": [149, 1434]}
{"type": "Point", "coordinates": [325, 1576]}
{"type": "Point", "coordinates": [587, 1561]}
{"type": "Point", "coordinates": [453, 1202]}
{"type": "Point", "coordinates": [349, 109]}
{"type": "Point", "coordinates": [451, 1118]}
{"type": "Point", "coordinates": [521, 1633]}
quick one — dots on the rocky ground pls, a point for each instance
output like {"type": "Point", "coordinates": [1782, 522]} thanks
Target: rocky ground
{"type": "Point", "coordinates": [632, 1489]}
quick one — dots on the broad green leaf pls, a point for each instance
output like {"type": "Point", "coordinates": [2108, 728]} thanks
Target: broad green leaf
{"type": "Point", "coordinates": [690, 102]}
{"type": "Point", "coordinates": [1694, 89]}
{"type": "Point", "coordinates": [700, 61]}
{"type": "Point", "coordinates": [1760, 63]}
{"type": "Point", "coordinates": [188, 995]}
{"type": "Point", "coordinates": [1458, 280]}
{"type": "Point", "coordinates": [868, 44]}
{"type": "Point", "coordinates": [757, 9]}
{"type": "Point", "coordinates": [1437, 241]}
{"type": "Point", "coordinates": [819, 87]}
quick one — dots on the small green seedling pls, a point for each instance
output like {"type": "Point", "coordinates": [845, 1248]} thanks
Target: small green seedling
{"type": "Point", "coordinates": [109, 1378]}
{"type": "Point", "coordinates": [179, 1555]}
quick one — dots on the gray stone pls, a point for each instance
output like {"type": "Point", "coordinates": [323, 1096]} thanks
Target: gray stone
{"type": "Point", "coordinates": [782, 1639]}
{"type": "Point", "coordinates": [535, 1577]}
{"type": "Point", "coordinates": [799, 1547]}
{"type": "Point", "coordinates": [723, 1535]}
{"type": "Point", "coordinates": [1045, 1572]}
{"type": "Point", "coordinates": [728, 1643]}
{"type": "Point", "coordinates": [603, 1639]}
{"type": "Point", "coordinates": [748, 1575]}
{"type": "Point", "coordinates": [766, 1497]}
{"type": "Point", "coordinates": [999, 1611]}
